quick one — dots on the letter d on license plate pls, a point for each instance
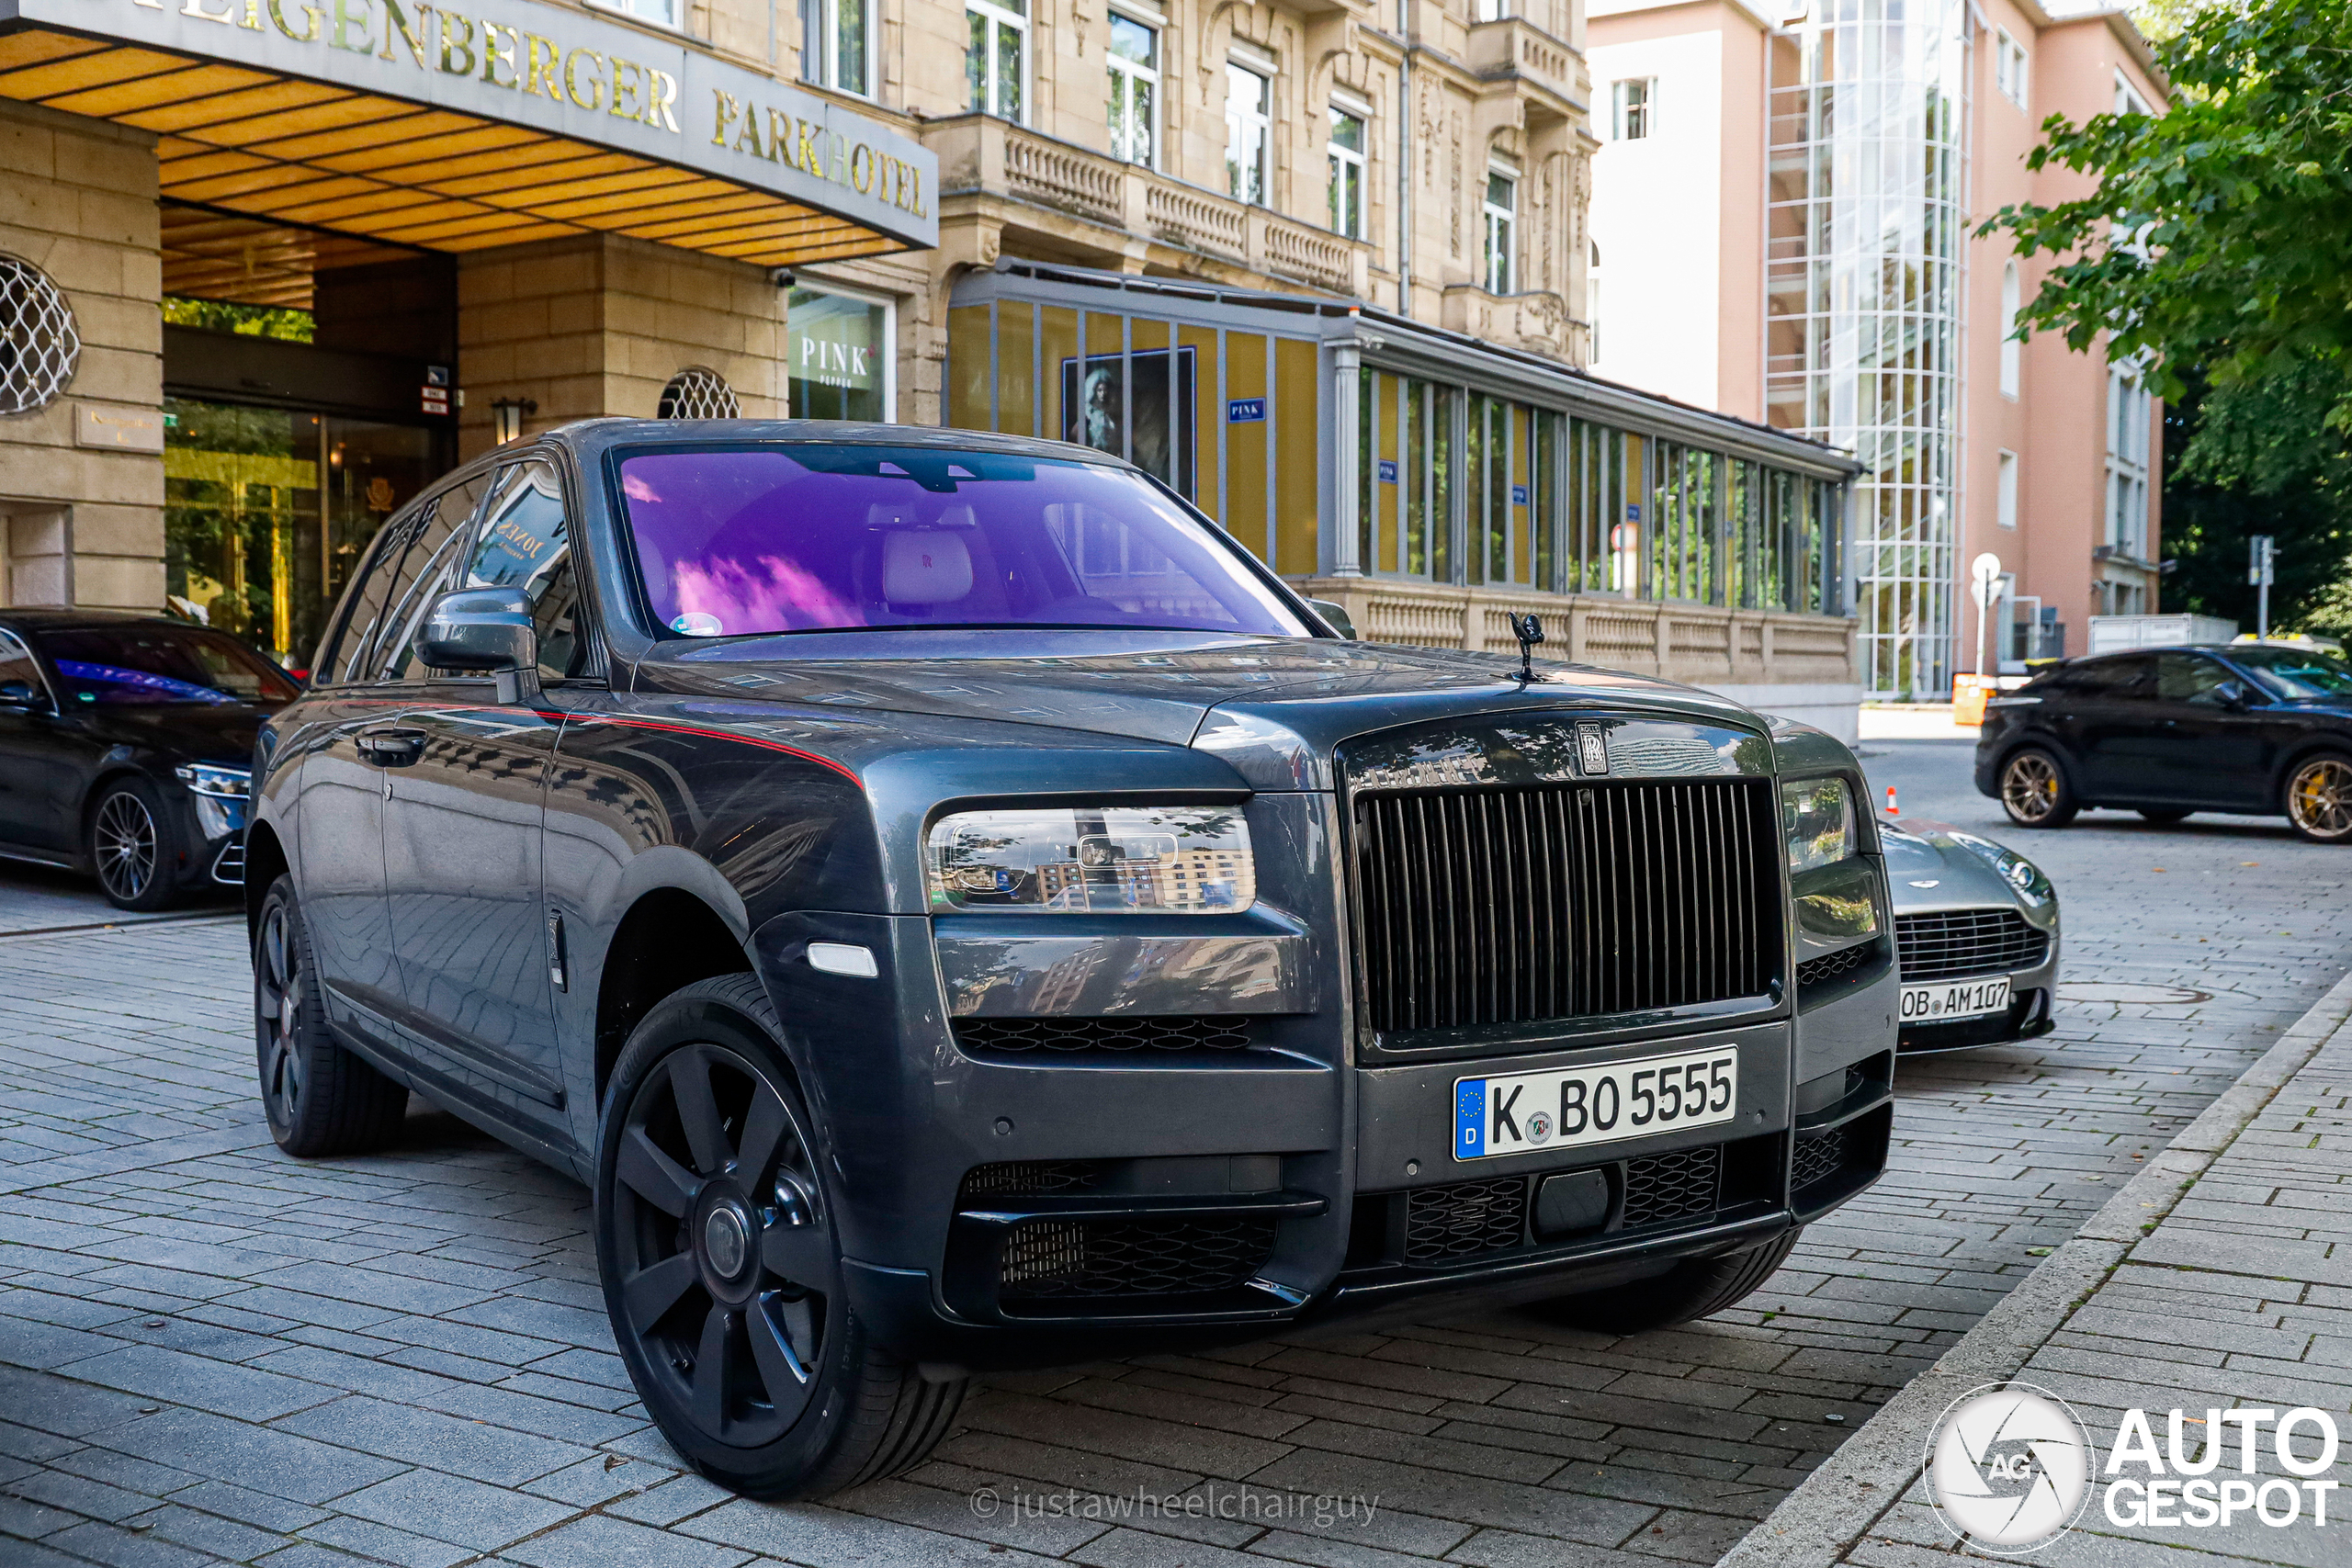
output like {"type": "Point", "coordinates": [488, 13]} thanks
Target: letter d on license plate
{"type": "Point", "coordinates": [1571, 1106]}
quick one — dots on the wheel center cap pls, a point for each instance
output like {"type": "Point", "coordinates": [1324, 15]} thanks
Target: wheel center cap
{"type": "Point", "coordinates": [726, 1240]}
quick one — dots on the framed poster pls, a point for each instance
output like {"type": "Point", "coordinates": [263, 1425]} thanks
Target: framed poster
{"type": "Point", "coordinates": [1097, 407]}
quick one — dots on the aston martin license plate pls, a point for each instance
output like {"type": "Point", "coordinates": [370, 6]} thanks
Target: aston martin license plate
{"type": "Point", "coordinates": [1956, 998]}
{"type": "Point", "coordinates": [1572, 1106]}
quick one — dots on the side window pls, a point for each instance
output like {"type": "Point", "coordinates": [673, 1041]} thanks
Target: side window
{"type": "Point", "coordinates": [526, 542]}
{"type": "Point", "coordinates": [345, 657]}
{"type": "Point", "coordinates": [17, 663]}
{"type": "Point", "coordinates": [2114, 679]}
{"type": "Point", "coordinates": [2190, 678]}
{"type": "Point", "coordinates": [431, 569]}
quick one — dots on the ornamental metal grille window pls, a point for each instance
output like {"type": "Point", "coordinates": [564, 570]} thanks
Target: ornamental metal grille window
{"type": "Point", "coordinates": [697, 393]}
{"type": "Point", "coordinates": [38, 345]}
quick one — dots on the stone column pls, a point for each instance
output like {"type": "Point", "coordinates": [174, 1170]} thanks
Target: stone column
{"type": "Point", "coordinates": [598, 323]}
{"type": "Point", "coordinates": [82, 474]}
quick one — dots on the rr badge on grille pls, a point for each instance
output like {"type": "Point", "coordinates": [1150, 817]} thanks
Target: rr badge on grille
{"type": "Point", "coordinates": [1592, 749]}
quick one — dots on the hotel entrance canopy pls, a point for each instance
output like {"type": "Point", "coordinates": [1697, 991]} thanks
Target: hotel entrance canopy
{"type": "Point", "coordinates": [459, 128]}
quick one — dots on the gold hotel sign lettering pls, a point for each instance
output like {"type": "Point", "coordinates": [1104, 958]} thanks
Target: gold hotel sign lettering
{"type": "Point", "coordinates": [565, 71]}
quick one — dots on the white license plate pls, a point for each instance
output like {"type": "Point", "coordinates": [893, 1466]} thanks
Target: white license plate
{"type": "Point", "coordinates": [1568, 1107]}
{"type": "Point", "coordinates": [1955, 999]}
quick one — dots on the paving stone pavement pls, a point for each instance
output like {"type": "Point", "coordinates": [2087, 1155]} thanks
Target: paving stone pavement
{"type": "Point", "coordinates": [210, 1352]}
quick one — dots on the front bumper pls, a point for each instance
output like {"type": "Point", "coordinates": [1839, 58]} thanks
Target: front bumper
{"type": "Point", "coordinates": [1236, 1193]}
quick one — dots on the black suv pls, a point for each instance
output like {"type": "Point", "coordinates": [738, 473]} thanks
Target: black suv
{"type": "Point", "coordinates": [961, 911]}
{"type": "Point", "coordinates": [2263, 728]}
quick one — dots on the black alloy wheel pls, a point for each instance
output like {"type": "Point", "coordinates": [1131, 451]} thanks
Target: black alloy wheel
{"type": "Point", "coordinates": [722, 1268]}
{"type": "Point", "coordinates": [132, 848]}
{"type": "Point", "coordinates": [2034, 791]}
{"type": "Point", "coordinates": [321, 1098]}
{"type": "Point", "coordinates": [2319, 799]}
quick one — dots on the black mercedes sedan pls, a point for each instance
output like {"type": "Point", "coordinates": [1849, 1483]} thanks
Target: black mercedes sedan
{"type": "Point", "coordinates": [959, 910]}
{"type": "Point", "coordinates": [126, 749]}
{"type": "Point", "coordinates": [2261, 729]}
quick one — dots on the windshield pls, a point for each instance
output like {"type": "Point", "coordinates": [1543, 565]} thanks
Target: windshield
{"type": "Point", "coordinates": [740, 540]}
{"type": "Point", "coordinates": [142, 666]}
{"type": "Point", "coordinates": [2294, 672]}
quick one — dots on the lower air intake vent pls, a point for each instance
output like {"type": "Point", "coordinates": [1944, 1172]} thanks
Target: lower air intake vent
{"type": "Point", "coordinates": [1818, 1158]}
{"type": "Point", "coordinates": [1679, 1186]}
{"type": "Point", "coordinates": [1034, 1034]}
{"type": "Point", "coordinates": [1132, 1258]}
{"type": "Point", "coordinates": [1030, 1178]}
{"type": "Point", "coordinates": [1442, 1223]}
{"type": "Point", "coordinates": [1829, 965]}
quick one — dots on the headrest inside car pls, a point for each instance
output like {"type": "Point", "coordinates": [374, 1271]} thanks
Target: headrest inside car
{"type": "Point", "coordinates": [926, 566]}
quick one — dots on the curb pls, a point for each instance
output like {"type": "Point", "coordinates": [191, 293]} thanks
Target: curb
{"type": "Point", "coordinates": [1858, 1484]}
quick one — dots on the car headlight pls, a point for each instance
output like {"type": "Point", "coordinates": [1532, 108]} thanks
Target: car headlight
{"type": "Point", "coordinates": [1184, 860]}
{"type": "Point", "coordinates": [1818, 817]}
{"type": "Point", "coordinates": [2019, 872]}
{"type": "Point", "coordinates": [210, 778]}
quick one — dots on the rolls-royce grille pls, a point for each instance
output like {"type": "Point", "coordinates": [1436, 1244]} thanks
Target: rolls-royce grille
{"type": "Point", "coordinates": [1133, 1257]}
{"type": "Point", "coordinates": [1679, 1186]}
{"type": "Point", "coordinates": [1208, 1034]}
{"type": "Point", "coordinates": [1515, 906]}
{"type": "Point", "coordinates": [1953, 943]}
{"type": "Point", "coordinates": [1465, 1219]}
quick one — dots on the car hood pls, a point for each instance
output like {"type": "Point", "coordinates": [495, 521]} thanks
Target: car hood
{"type": "Point", "coordinates": [1928, 869]}
{"type": "Point", "coordinates": [208, 732]}
{"type": "Point", "coordinates": [1160, 687]}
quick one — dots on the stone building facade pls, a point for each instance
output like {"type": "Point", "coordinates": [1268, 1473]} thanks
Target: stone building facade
{"type": "Point", "coordinates": [1321, 264]}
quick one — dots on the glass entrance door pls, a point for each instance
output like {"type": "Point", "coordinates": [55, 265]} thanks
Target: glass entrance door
{"type": "Point", "coordinates": [267, 511]}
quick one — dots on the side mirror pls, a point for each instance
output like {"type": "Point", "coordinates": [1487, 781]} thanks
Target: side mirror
{"type": "Point", "coordinates": [486, 630]}
{"type": "Point", "coordinates": [1335, 616]}
{"type": "Point", "coordinates": [21, 696]}
{"type": "Point", "coordinates": [2233, 695]}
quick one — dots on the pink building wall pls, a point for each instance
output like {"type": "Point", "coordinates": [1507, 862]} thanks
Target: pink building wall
{"type": "Point", "coordinates": [2055, 424]}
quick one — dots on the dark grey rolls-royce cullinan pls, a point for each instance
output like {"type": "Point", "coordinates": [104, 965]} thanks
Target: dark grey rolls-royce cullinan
{"type": "Point", "coordinates": [959, 911]}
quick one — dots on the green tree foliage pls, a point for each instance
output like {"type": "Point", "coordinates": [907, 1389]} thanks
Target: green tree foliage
{"type": "Point", "coordinates": [2213, 249]}
{"type": "Point", "coordinates": [246, 321]}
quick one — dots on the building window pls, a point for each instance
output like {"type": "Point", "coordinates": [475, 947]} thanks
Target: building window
{"type": "Point", "coordinates": [1636, 107]}
{"type": "Point", "coordinates": [39, 345]}
{"type": "Point", "coordinates": [2127, 97]}
{"type": "Point", "coordinates": [1592, 305]}
{"type": "Point", "coordinates": [996, 61]}
{"type": "Point", "coordinates": [1502, 199]}
{"type": "Point", "coordinates": [1247, 127]}
{"type": "Point", "coordinates": [2012, 351]}
{"type": "Point", "coordinates": [834, 50]}
{"type": "Point", "coordinates": [2007, 515]}
{"type": "Point", "coordinates": [662, 11]}
{"type": "Point", "coordinates": [1134, 58]}
{"type": "Point", "coordinates": [2009, 67]}
{"type": "Point", "coordinates": [2127, 413]}
{"type": "Point", "coordinates": [1347, 173]}
{"type": "Point", "coordinates": [698, 393]}
{"type": "Point", "coordinates": [843, 355]}
{"type": "Point", "coordinates": [1495, 10]}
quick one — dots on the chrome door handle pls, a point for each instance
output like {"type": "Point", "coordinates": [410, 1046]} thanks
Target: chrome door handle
{"type": "Point", "coordinates": [392, 748]}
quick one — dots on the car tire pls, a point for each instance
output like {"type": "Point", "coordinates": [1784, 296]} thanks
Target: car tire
{"type": "Point", "coordinates": [2034, 790]}
{"type": "Point", "coordinates": [722, 1267]}
{"type": "Point", "coordinates": [134, 846]}
{"type": "Point", "coordinates": [2318, 799]}
{"type": "Point", "coordinates": [1693, 1289]}
{"type": "Point", "coordinates": [321, 1098]}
